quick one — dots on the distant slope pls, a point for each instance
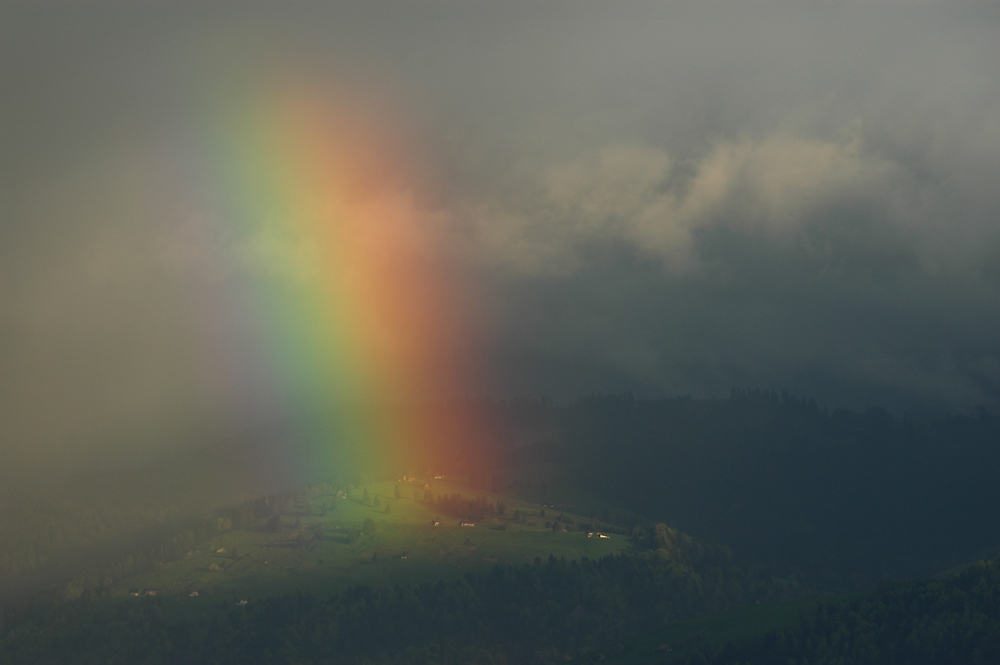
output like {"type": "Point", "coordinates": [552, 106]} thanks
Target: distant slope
{"type": "Point", "coordinates": [840, 500]}
{"type": "Point", "coordinates": [85, 526]}
{"type": "Point", "coordinates": [837, 502]}
{"type": "Point", "coordinates": [317, 576]}
{"type": "Point", "coordinates": [323, 549]}
{"type": "Point", "coordinates": [954, 618]}
{"type": "Point", "coordinates": [531, 613]}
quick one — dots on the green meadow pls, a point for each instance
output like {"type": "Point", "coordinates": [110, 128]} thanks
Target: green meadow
{"type": "Point", "coordinates": [315, 552]}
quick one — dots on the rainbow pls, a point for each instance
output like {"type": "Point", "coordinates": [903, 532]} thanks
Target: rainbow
{"type": "Point", "coordinates": [341, 308]}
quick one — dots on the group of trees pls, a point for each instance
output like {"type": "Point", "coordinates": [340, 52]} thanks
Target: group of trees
{"type": "Point", "coordinates": [376, 501]}
{"type": "Point", "coordinates": [537, 613]}
{"type": "Point", "coordinates": [456, 505]}
{"type": "Point", "coordinates": [527, 614]}
{"type": "Point", "coordinates": [954, 619]}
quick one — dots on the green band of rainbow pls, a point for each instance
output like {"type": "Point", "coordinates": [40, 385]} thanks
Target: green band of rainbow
{"type": "Point", "coordinates": [343, 304]}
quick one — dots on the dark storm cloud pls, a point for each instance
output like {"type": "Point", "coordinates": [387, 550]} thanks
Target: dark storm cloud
{"type": "Point", "coordinates": [663, 197]}
{"type": "Point", "coordinates": [777, 195]}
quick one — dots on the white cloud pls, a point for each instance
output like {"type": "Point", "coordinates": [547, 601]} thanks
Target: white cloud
{"type": "Point", "coordinates": [639, 195]}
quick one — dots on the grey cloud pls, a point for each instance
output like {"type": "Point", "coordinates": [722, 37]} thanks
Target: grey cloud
{"type": "Point", "coordinates": [664, 197]}
{"type": "Point", "coordinates": [635, 194]}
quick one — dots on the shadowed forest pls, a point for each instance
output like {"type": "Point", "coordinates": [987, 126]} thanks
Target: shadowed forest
{"type": "Point", "coordinates": [719, 504]}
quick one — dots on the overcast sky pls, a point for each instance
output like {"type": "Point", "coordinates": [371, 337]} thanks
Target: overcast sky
{"type": "Point", "coordinates": [668, 198]}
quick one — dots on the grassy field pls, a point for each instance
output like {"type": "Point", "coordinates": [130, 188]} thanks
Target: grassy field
{"type": "Point", "coordinates": [314, 553]}
{"type": "Point", "coordinates": [316, 556]}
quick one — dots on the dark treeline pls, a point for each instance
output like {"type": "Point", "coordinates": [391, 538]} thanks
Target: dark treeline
{"type": "Point", "coordinates": [456, 505]}
{"type": "Point", "coordinates": [927, 622]}
{"type": "Point", "coordinates": [479, 509]}
{"type": "Point", "coordinates": [536, 613]}
{"type": "Point", "coordinates": [841, 500]}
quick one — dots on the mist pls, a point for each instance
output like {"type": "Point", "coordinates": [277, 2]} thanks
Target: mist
{"type": "Point", "coordinates": [658, 199]}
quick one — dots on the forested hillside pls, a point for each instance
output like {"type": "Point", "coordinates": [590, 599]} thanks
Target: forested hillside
{"type": "Point", "coordinates": [954, 619]}
{"type": "Point", "coordinates": [717, 504]}
{"type": "Point", "coordinates": [535, 613]}
{"type": "Point", "coordinates": [840, 499]}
